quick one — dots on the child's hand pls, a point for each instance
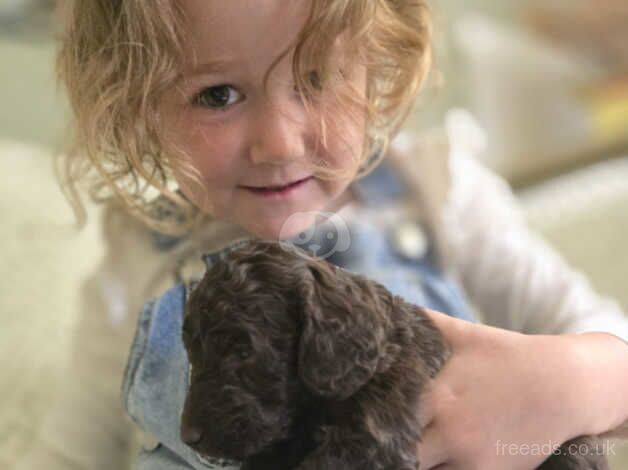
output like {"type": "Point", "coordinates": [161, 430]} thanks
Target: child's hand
{"type": "Point", "coordinates": [503, 397]}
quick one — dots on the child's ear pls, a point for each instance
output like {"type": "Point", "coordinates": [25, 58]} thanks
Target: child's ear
{"type": "Point", "coordinates": [343, 337]}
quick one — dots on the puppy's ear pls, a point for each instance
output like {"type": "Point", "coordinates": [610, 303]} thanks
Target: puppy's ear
{"type": "Point", "coordinates": [344, 332]}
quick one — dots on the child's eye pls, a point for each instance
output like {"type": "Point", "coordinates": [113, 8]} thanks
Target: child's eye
{"type": "Point", "coordinates": [313, 79]}
{"type": "Point", "coordinates": [216, 97]}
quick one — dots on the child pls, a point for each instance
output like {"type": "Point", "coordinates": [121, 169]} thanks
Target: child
{"type": "Point", "coordinates": [211, 105]}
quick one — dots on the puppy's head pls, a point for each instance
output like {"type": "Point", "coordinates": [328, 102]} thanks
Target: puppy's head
{"type": "Point", "coordinates": [265, 330]}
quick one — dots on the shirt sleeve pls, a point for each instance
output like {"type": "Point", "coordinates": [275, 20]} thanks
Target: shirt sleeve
{"type": "Point", "coordinates": [510, 274]}
{"type": "Point", "coordinates": [86, 427]}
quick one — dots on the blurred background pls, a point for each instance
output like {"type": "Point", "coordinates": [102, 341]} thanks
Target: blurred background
{"type": "Point", "coordinates": [547, 81]}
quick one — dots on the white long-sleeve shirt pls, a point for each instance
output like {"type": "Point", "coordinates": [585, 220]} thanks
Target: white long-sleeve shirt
{"type": "Point", "coordinates": [516, 280]}
{"type": "Point", "coordinates": [513, 278]}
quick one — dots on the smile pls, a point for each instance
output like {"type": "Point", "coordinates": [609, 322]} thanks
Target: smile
{"type": "Point", "coordinates": [278, 190]}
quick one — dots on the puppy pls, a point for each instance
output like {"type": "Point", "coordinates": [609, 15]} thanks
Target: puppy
{"type": "Point", "coordinates": [298, 364]}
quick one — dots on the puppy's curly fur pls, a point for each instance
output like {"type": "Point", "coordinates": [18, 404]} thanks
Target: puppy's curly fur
{"type": "Point", "coordinates": [297, 364]}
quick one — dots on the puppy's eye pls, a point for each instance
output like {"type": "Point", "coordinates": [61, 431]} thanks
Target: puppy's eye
{"type": "Point", "coordinates": [242, 351]}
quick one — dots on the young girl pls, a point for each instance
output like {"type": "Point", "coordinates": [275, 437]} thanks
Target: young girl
{"type": "Point", "coordinates": [203, 122]}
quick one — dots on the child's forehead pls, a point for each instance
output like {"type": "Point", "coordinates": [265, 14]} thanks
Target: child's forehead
{"type": "Point", "coordinates": [243, 36]}
{"type": "Point", "coordinates": [224, 25]}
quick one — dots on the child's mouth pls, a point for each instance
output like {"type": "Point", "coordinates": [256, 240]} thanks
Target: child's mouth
{"type": "Point", "coordinates": [278, 190]}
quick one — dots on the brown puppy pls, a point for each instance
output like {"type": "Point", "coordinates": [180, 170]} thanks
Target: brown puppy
{"type": "Point", "coordinates": [296, 363]}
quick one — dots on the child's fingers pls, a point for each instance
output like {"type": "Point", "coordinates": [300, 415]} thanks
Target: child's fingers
{"type": "Point", "coordinates": [432, 449]}
{"type": "Point", "coordinates": [454, 329]}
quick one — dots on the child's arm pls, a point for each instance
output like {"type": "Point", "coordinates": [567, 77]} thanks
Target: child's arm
{"type": "Point", "coordinates": [87, 428]}
{"type": "Point", "coordinates": [501, 387]}
{"type": "Point", "coordinates": [507, 400]}
{"type": "Point", "coordinates": [516, 279]}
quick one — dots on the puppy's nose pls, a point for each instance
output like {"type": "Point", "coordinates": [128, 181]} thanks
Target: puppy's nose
{"type": "Point", "coordinates": [191, 435]}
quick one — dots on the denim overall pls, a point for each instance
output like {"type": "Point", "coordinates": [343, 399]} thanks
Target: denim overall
{"type": "Point", "coordinates": [156, 378]}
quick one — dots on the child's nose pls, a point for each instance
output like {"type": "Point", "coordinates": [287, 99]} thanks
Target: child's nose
{"type": "Point", "coordinates": [279, 136]}
{"type": "Point", "coordinates": [191, 434]}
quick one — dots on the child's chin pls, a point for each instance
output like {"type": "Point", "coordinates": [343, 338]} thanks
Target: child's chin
{"type": "Point", "coordinates": [284, 228]}
{"type": "Point", "coordinates": [297, 223]}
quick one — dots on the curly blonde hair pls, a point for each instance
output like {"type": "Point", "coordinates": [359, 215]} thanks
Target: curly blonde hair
{"type": "Point", "coordinates": [117, 58]}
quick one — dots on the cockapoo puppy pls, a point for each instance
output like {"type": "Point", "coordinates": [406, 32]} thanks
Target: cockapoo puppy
{"type": "Point", "coordinates": [298, 364]}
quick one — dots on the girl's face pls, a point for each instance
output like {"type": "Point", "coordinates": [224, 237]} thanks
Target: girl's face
{"type": "Point", "coordinates": [242, 137]}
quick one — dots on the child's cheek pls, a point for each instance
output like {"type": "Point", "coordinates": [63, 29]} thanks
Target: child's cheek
{"type": "Point", "coordinates": [210, 149]}
{"type": "Point", "coordinates": [204, 169]}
